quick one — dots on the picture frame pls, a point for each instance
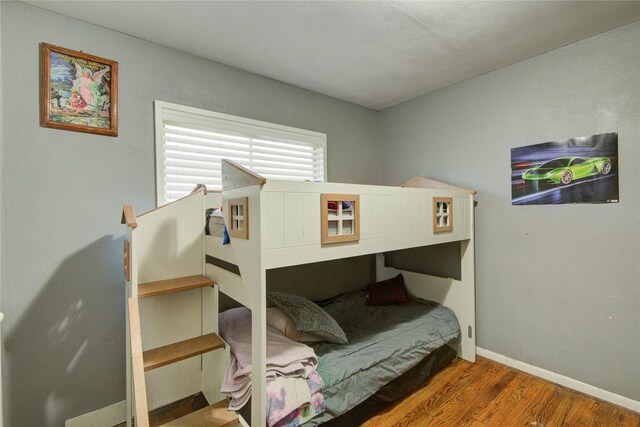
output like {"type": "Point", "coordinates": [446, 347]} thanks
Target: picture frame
{"type": "Point", "coordinates": [78, 91]}
{"type": "Point", "coordinates": [582, 169]}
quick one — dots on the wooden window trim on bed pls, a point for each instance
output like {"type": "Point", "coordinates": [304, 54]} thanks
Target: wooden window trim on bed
{"type": "Point", "coordinates": [127, 261]}
{"type": "Point", "coordinates": [239, 218]}
{"type": "Point", "coordinates": [325, 218]}
{"type": "Point", "coordinates": [442, 214]}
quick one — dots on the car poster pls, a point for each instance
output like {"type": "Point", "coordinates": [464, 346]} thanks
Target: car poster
{"type": "Point", "coordinates": [577, 170]}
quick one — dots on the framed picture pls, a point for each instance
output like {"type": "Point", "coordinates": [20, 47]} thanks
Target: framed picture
{"type": "Point", "coordinates": [577, 170]}
{"type": "Point", "coordinates": [78, 91]}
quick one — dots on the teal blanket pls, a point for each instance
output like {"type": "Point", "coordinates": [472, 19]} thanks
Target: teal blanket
{"type": "Point", "coordinates": [384, 342]}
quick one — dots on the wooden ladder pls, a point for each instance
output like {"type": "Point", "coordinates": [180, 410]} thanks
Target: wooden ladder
{"type": "Point", "coordinates": [215, 415]}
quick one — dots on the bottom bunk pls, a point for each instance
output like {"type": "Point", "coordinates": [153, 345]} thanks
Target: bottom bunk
{"type": "Point", "coordinates": [366, 355]}
{"type": "Point", "coordinates": [396, 389]}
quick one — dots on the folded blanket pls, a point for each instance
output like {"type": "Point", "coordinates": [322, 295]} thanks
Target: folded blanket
{"type": "Point", "coordinates": [285, 358]}
{"type": "Point", "coordinates": [292, 418]}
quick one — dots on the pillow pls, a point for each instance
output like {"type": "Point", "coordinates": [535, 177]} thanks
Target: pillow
{"type": "Point", "coordinates": [387, 292]}
{"type": "Point", "coordinates": [277, 320]}
{"type": "Point", "coordinates": [309, 317]}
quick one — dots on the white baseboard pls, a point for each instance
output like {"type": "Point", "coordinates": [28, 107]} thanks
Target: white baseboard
{"type": "Point", "coordinates": [108, 416]}
{"type": "Point", "coordinates": [599, 393]}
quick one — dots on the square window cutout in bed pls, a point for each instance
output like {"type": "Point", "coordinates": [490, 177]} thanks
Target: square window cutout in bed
{"type": "Point", "coordinates": [239, 218]}
{"type": "Point", "coordinates": [340, 216]}
{"type": "Point", "coordinates": [442, 214]}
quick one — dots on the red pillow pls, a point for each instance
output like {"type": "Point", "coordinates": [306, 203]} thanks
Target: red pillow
{"type": "Point", "coordinates": [387, 292]}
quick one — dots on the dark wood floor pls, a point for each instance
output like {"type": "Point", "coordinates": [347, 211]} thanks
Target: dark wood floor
{"type": "Point", "coordinates": [484, 393]}
{"type": "Point", "coordinates": [175, 410]}
{"type": "Point", "coordinates": [487, 393]}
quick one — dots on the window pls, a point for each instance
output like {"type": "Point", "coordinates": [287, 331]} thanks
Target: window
{"type": "Point", "coordinates": [442, 214]}
{"type": "Point", "coordinates": [340, 218]}
{"type": "Point", "coordinates": [239, 218]}
{"type": "Point", "coordinates": [190, 143]}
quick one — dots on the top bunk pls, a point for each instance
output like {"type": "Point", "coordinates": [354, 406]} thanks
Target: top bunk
{"type": "Point", "coordinates": [293, 222]}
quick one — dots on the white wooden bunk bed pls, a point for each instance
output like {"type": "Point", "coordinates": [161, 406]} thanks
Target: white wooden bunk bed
{"type": "Point", "coordinates": [272, 224]}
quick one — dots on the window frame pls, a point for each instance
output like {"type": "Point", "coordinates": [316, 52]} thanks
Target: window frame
{"type": "Point", "coordinates": [235, 123]}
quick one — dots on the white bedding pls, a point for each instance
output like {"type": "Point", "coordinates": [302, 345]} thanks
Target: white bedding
{"type": "Point", "coordinates": [285, 358]}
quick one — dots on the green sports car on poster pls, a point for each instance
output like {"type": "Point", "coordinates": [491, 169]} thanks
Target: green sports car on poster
{"type": "Point", "coordinates": [563, 170]}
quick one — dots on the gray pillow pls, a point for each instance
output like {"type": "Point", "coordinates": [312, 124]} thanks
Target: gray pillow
{"type": "Point", "coordinates": [309, 317]}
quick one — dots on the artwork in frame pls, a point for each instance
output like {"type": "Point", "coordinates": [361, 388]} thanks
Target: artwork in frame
{"type": "Point", "coordinates": [78, 91]}
{"type": "Point", "coordinates": [576, 170]}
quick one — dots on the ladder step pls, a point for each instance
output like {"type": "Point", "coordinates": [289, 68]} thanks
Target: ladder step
{"type": "Point", "coordinates": [215, 415]}
{"type": "Point", "coordinates": [179, 284]}
{"type": "Point", "coordinates": [165, 355]}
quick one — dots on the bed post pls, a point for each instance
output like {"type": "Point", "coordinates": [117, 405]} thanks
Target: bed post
{"type": "Point", "coordinates": [259, 350]}
{"type": "Point", "coordinates": [131, 278]}
{"type": "Point", "coordinates": [467, 259]}
{"type": "Point", "coordinates": [241, 197]}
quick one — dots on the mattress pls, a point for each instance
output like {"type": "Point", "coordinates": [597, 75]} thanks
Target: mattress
{"type": "Point", "coordinates": [384, 343]}
{"type": "Point", "coordinates": [400, 387]}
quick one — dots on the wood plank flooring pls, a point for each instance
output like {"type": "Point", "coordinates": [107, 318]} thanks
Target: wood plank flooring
{"type": "Point", "coordinates": [485, 393]}
{"type": "Point", "coordinates": [488, 393]}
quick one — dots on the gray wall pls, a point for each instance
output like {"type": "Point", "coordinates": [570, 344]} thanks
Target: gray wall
{"type": "Point", "coordinates": [571, 309]}
{"type": "Point", "coordinates": [63, 288]}
{"type": "Point", "coordinates": [557, 286]}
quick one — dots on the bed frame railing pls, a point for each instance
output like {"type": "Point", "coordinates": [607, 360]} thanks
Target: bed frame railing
{"type": "Point", "coordinates": [422, 182]}
{"type": "Point", "coordinates": [172, 312]}
{"type": "Point", "coordinates": [129, 217]}
{"type": "Point", "coordinates": [236, 176]}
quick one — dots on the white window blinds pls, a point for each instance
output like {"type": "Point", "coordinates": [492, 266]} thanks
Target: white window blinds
{"type": "Point", "coordinates": [191, 142]}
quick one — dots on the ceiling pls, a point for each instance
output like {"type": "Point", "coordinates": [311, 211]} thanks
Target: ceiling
{"type": "Point", "coordinates": [375, 54]}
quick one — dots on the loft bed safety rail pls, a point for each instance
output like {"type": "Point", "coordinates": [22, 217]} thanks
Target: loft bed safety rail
{"type": "Point", "coordinates": [129, 217]}
{"type": "Point", "coordinates": [205, 190]}
{"type": "Point", "coordinates": [237, 176]}
{"type": "Point", "coordinates": [172, 307]}
{"type": "Point", "coordinates": [422, 182]}
{"type": "Point", "coordinates": [200, 187]}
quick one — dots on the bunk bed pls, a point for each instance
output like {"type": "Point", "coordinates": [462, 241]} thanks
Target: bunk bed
{"type": "Point", "coordinates": [275, 224]}
{"type": "Point", "coordinates": [281, 224]}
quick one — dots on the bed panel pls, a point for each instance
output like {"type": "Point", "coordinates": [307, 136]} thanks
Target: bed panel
{"type": "Point", "coordinates": [285, 257]}
{"type": "Point", "coordinates": [272, 212]}
{"type": "Point", "coordinates": [215, 248]}
{"type": "Point", "coordinates": [458, 295]}
{"type": "Point", "coordinates": [367, 230]}
{"type": "Point", "coordinates": [387, 222]}
{"type": "Point", "coordinates": [214, 364]}
{"type": "Point", "coordinates": [461, 215]}
{"type": "Point", "coordinates": [229, 283]}
{"type": "Point", "coordinates": [248, 254]}
{"type": "Point", "coordinates": [168, 243]}
{"type": "Point", "coordinates": [301, 219]}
